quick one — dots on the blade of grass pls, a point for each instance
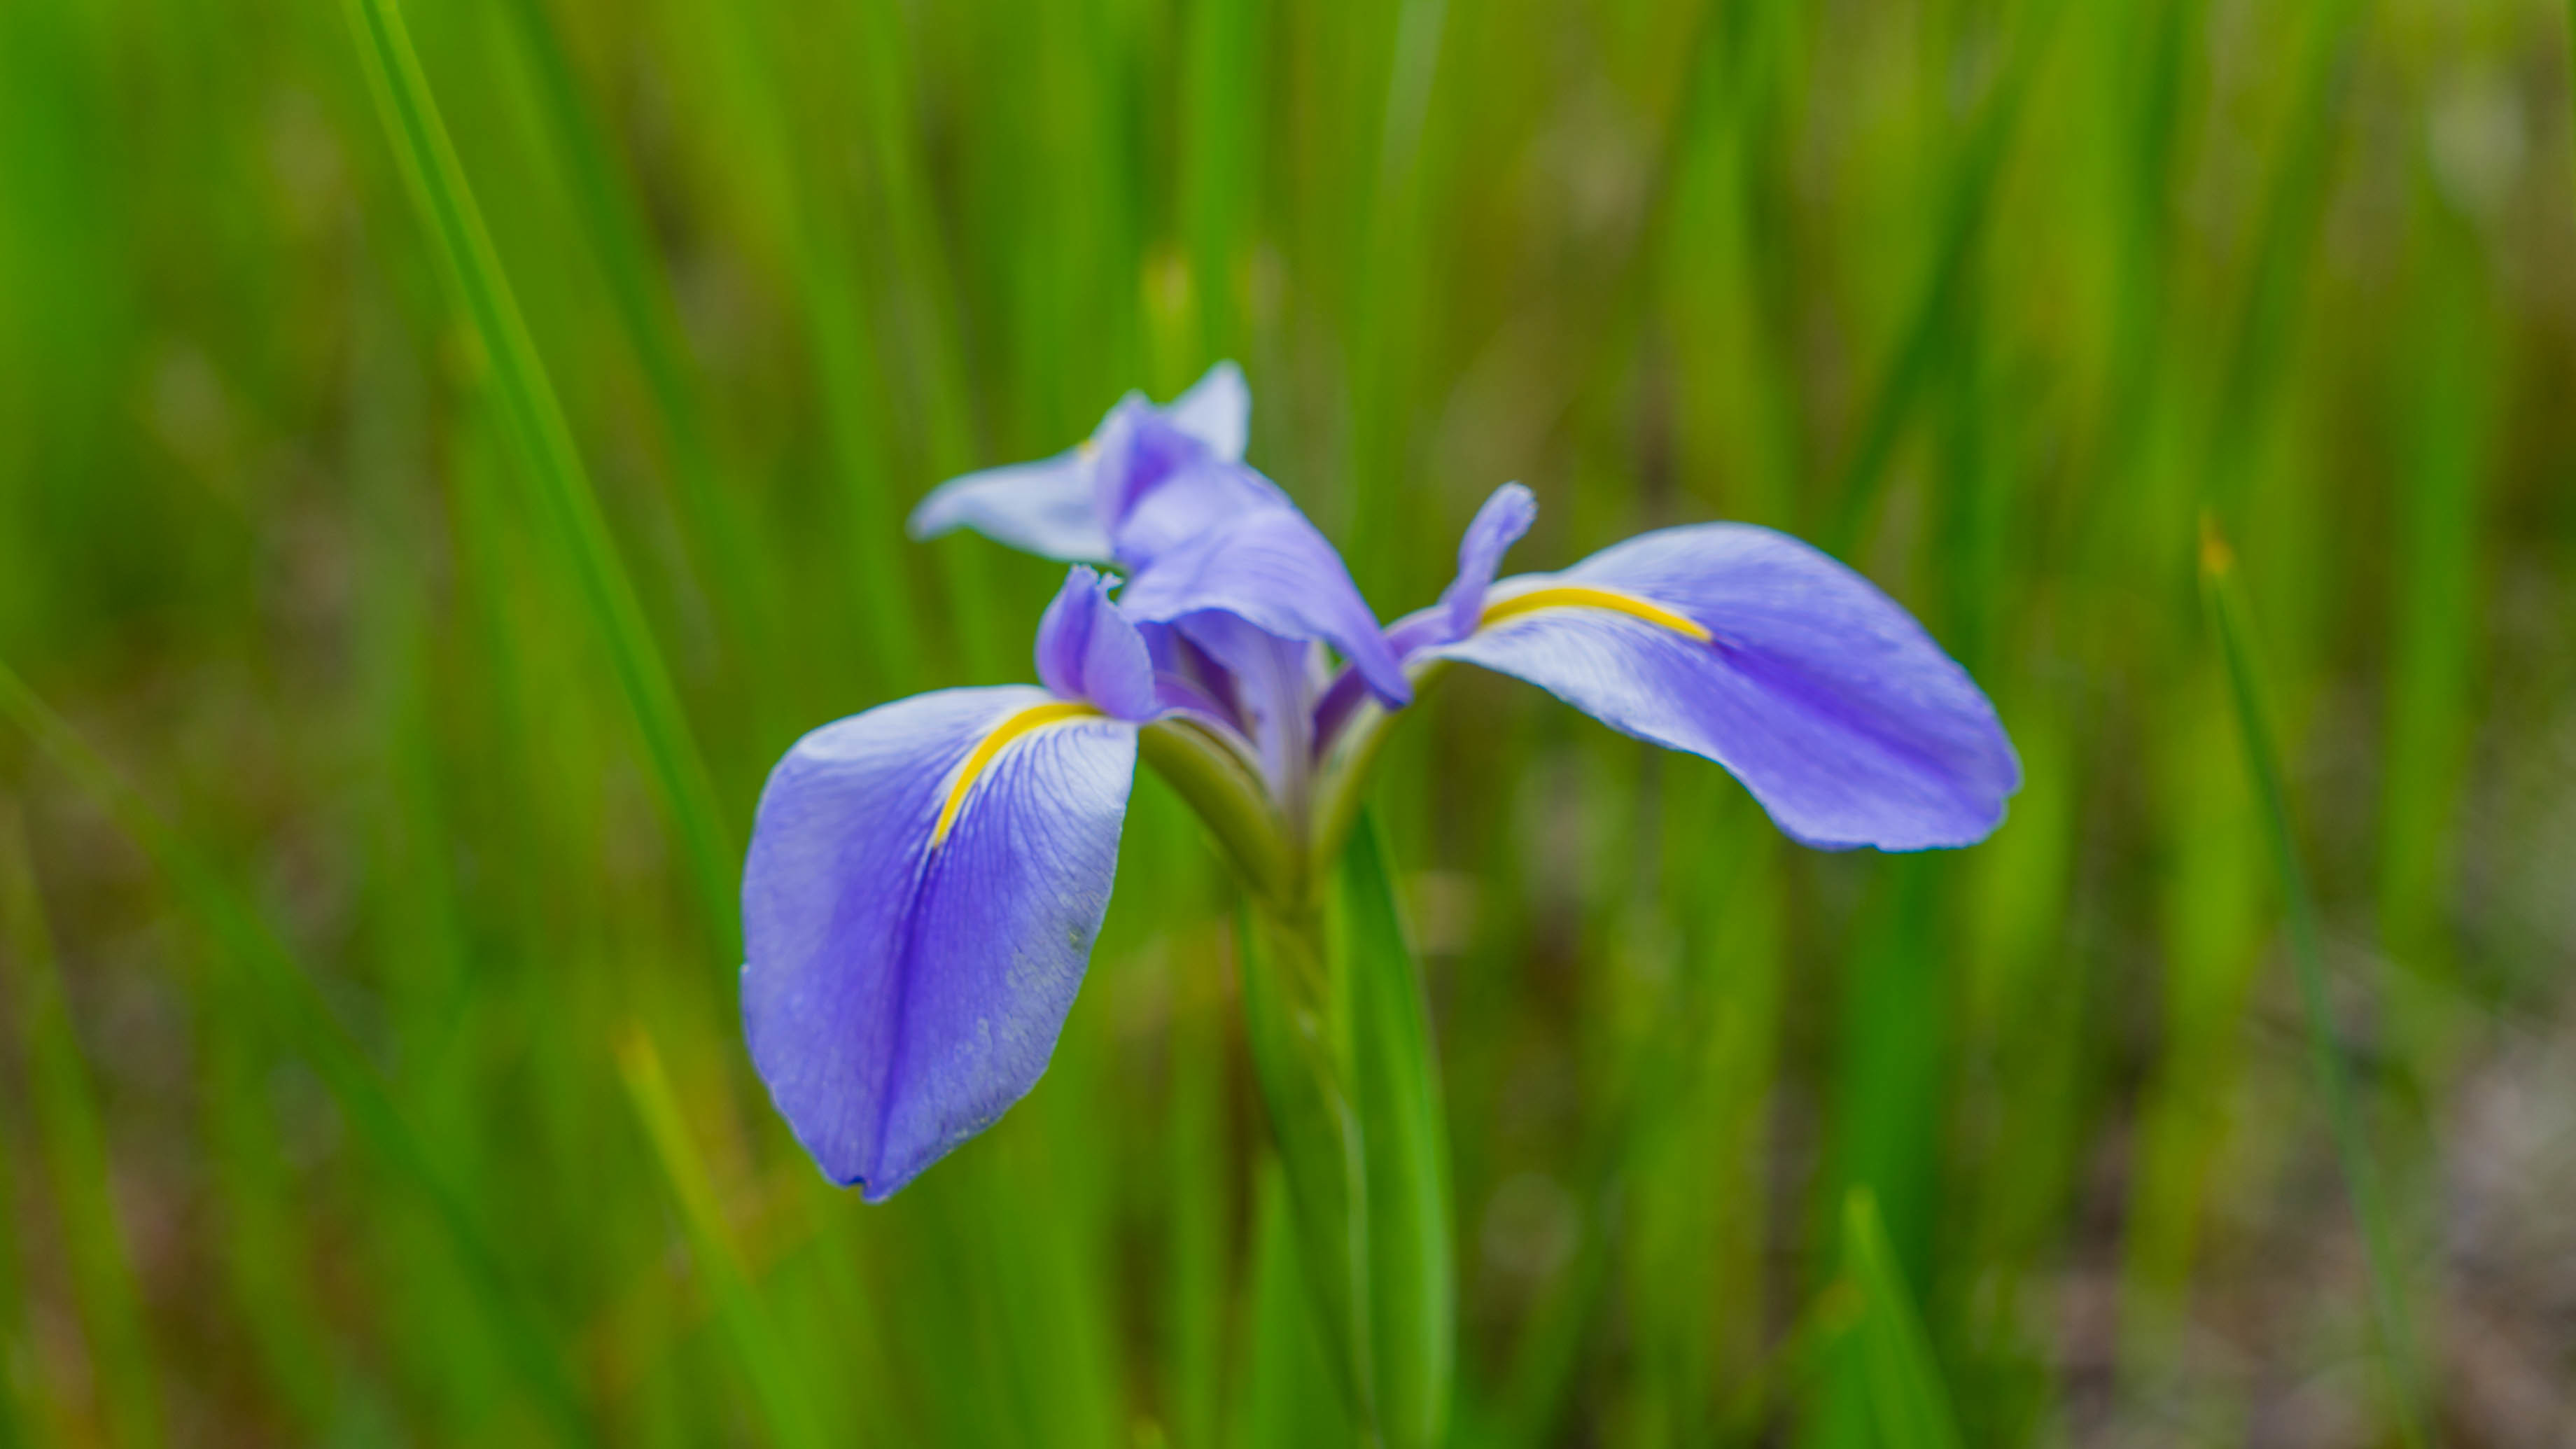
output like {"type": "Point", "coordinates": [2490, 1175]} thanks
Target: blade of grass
{"type": "Point", "coordinates": [75, 1158]}
{"type": "Point", "coordinates": [295, 1009]}
{"type": "Point", "coordinates": [1222, 94]}
{"type": "Point", "coordinates": [2276, 286]}
{"type": "Point", "coordinates": [1198, 1203]}
{"type": "Point", "coordinates": [2227, 612]}
{"type": "Point", "coordinates": [1413, 1269]}
{"type": "Point", "coordinates": [1891, 1078]}
{"type": "Point", "coordinates": [2446, 408]}
{"type": "Point", "coordinates": [765, 1361]}
{"type": "Point", "coordinates": [543, 439]}
{"type": "Point", "coordinates": [776, 77]}
{"type": "Point", "coordinates": [617, 237]}
{"type": "Point", "coordinates": [1287, 1384]}
{"type": "Point", "coordinates": [1967, 202]}
{"type": "Point", "coordinates": [20, 1398]}
{"type": "Point", "coordinates": [928, 313]}
{"type": "Point", "coordinates": [1907, 1399]}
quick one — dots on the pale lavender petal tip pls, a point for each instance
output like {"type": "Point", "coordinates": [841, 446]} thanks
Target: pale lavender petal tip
{"type": "Point", "coordinates": [1217, 410]}
{"type": "Point", "coordinates": [1044, 508]}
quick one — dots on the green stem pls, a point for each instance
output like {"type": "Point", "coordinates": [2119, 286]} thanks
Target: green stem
{"type": "Point", "coordinates": [1294, 1019]}
{"type": "Point", "coordinates": [1341, 1045]}
{"type": "Point", "coordinates": [1226, 789]}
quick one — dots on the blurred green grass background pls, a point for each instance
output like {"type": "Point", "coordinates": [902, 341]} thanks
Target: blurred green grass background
{"type": "Point", "coordinates": [390, 1090]}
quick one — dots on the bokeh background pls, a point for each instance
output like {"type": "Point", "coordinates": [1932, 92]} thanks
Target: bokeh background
{"type": "Point", "coordinates": [393, 1093]}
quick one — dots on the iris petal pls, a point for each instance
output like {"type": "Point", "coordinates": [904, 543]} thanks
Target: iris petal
{"type": "Point", "coordinates": [1271, 569]}
{"type": "Point", "coordinates": [1217, 410]}
{"type": "Point", "coordinates": [1044, 508]}
{"type": "Point", "coordinates": [899, 994]}
{"type": "Point", "coordinates": [1054, 508]}
{"type": "Point", "coordinates": [1815, 689]}
{"type": "Point", "coordinates": [1087, 650]}
{"type": "Point", "coordinates": [1497, 526]}
{"type": "Point", "coordinates": [1161, 488]}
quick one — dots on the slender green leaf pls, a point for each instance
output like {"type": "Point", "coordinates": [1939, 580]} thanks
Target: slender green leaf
{"type": "Point", "coordinates": [615, 233]}
{"type": "Point", "coordinates": [2278, 282]}
{"type": "Point", "coordinates": [2227, 612]}
{"type": "Point", "coordinates": [75, 1156]}
{"type": "Point", "coordinates": [1967, 202]}
{"type": "Point", "coordinates": [1907, 1399]}
{"type": "Point", "coordinates": [543, 439]}
{"type": "Point", "coordinates": [767, 1362]}
{"type": "Point", "coordinates": [1291, 1387]}
{"type": "Point", "coordinates": [1291, 1017]}
{"type": "Point", "coordinates": [1413, 1268]}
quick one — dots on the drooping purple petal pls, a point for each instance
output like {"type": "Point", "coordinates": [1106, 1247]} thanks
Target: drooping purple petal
{"type": "Point", "coordinates": [1497, 526]}
{"type": "Point", "coordinates": [1270, 568]}
{"type": "Point", "coordinates": [1044, 508]}
{"type": "Point", "coordinates": [1087, 650]}
{"type": "Point", "coordinates": [1815, 689]}
{"type": "Point", "coordinates": [899, 995]}
{"type": "Point", "coordinates": [1217, 410]}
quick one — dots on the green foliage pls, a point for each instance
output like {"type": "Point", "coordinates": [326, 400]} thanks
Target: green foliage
{"type": "Point", "coordinates": [1906, 1398]}
{"type": "Point", "coordinates": [441, 468]}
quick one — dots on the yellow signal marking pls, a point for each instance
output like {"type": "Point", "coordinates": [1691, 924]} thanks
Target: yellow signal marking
{"type": "Point", "coordinates": [1035, 717]}
{"type": "Point", "coordinates": [1584, 596]}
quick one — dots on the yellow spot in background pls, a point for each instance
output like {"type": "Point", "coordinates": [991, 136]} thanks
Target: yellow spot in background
{"type": "Point", "coordinates": [1035, 717]}
{"type": "Point", "coordinates": [1581, 596]}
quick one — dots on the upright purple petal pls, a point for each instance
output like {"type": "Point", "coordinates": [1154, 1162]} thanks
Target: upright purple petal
{"type": "Point", "coordinates": [901, 992]}
{"type": "Point", "coordinates": [1158, 487]}
{"type": "Point", "coordinates": [1217, 410]}
{"type": "Point", "coordinates": [1061, 507]}
{"type": "Point", "coordinates": [1812, 687]}
{"type": "Point", "coordinates": [1272, 685]}
{"type": "Point", "coordinates": [1496, 527]}
{"type": "Point", "coordinates": [1187, 677]}
{"type": "Point", "coordinates": [1044, 508]}
{"type": "Point", "coordinates": [1087, 650]}
{"type": "Point", "coordinates": [1270, 568]}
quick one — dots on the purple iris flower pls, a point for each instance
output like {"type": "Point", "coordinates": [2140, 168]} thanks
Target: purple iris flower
{"type": "Point", "coordinates": [926, 879]}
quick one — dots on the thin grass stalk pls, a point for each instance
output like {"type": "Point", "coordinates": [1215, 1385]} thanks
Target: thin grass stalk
{"type": "Point", "coordinates": [784, 1405]}
{"type": "Point", "coordinates": [65, 1104]}
{"type": "Point", "coordinates": [1967, 202]}
{"type": "Point", "coordinates": [2276, 286]}
{"type": "Point", "coordinates": [537, 428]}
{"type": "Point", "coordinates": [2227, 613]}
{"type": "Point", "coordinates": [1907, 1399]}
{"type": "Point", "coordinates": [727, 552]}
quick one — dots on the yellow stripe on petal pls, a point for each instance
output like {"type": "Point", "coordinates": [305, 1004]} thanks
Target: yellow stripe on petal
{"type": "Point", "coordinates": [1035, 717]}
{"type": "Point", "coordinates": [1584, 596]}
